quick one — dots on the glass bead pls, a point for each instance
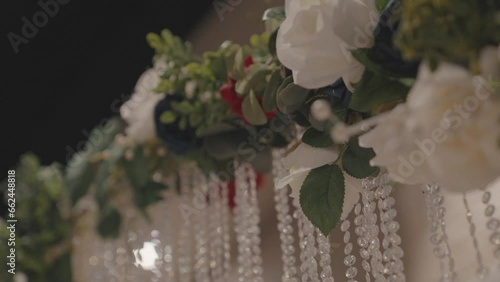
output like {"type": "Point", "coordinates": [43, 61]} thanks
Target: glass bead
{"type": "Point", "coordinates": [345, 225]}
{"type": "Point", "coordinates": [347, 237]}
{"type": "Point", "coordinates": [348, 248]}
{"type": "Point", "coordinates": [490, 210]}
{"type": "Point", "coordinates": [351, 272]}
{"type": "Point", "coordinates": [493, 224]}
{"type": "Point", "coordinates": [495, 238]}
{"type": "Point", "coordinates": [393, 226]}
{"type": "Point", "coordinates": [350, 260]}
{"type": "Point", "coordinates": [496, 253]}
{"type": "Point", "coordinates": [436, 238]}
{"type": "Point", "coordinates": [364, 254]}
{"type": "Point", "coordinates": [366, 266]}
{"type": "Point", "coordinates": [486, 197]}
{"type": "Point", "coordinates": [362, 242]}
{"type": "Point", "coordinates": [357, 209]}
{"type": "Point", "coordinates": [482, 273]}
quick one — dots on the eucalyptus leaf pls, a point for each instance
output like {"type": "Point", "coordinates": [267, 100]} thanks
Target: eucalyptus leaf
{"type": "Point", "coordinates": [252, 110]}
{"type": "Point", "coordinates": [322, 197]}
{"type": "Point", "coordinates": [269, 97]}
{"type": "Point", "coordinates": [356, 160]}
{"type": "Point", "coordinates": [291, 98]}
{"type": "Point", "coordinates": [274, 13]}
{"type": "Point", "coordinates": [237, 71]}
{"type": "Point", "coordinates": [168, 117]}
{"type": "Point", "coordinates": [316, 138]}
{"type": "Point", "coordinates": [375, 89]}
{"type": "Point", "coordinates": [254, 78]}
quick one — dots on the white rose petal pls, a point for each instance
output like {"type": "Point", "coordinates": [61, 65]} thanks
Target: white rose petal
{"type": "Point", "coordinates": [447, 132]}
{"type": "Point", "coordinates": [317, 36]}
{"type": "Point", "coordinates": [139, 110]}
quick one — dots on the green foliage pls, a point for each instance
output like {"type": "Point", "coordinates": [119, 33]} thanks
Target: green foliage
{"type": "Point", "coordinates": [452, 30]}
{"type": "Point", "coordinates": [316, 138]}
{"type": "Point", "coordinates": [269, 97]}
{"type": "Point", "coordinates": [291, 97]}
{"type": "Point", "coordinates": [356, 160]}
{"type": "Point", "coordinates": [42, 221]}
{"type": "Point", "coordinates": [109, 222]}
{"type": "Point", "coordinates": [322, 197]}
{"type": "Point", "coordinates": [381, 4]}
{"type": "Point", "coordinates": [252, 110]}
{"type": "Point", "coordinates": [375, 89]}
{"type": "Point", "coordinates": [273, 17]}
{"type": "Point", "coordinates": [79, 172]}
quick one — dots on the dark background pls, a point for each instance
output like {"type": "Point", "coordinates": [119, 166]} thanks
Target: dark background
{"type": "Point", "coordinates": [65, 79]}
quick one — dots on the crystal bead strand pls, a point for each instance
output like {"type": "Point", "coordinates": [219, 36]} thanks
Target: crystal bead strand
{"type": "Point", "coordinates": [243, 216]}
{"type": "Point", "coordinates": [349, 259]}
{"type": "Point", "coordinates": [226, 235]}
{"type": "Point", "coordinates": [493, 223]}
{"type": "Point", "coordinates": [302, 242]}
{"type": "Point", "coordinates": [367, 232]}
{"type": "Point", "coordinates": [393, 253]}
{"type": "Point", "coordinates": [202, 268]}
{"type": "Point", "coordinates": [325, 259]}
{"type": "Point", "coordinates": [360, 232]}
{"type": "Point", "coordinates": [437, 229]}
{"type": "Point", "coordinates": [481, 271]}
{"type": "Point", "coordinates": [309, 251]}
{"type": "Point", "coordinates": [184, 239]}
{"type": "Point", "coordinates": [254, 220]}
{"type": "Point", "coordinates": [285, 219]}
{"type": "Point", "coordinates": [216, 232]}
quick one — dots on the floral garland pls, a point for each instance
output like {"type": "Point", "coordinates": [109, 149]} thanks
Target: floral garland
{"type": "Point", "coordinates": [408, 86]}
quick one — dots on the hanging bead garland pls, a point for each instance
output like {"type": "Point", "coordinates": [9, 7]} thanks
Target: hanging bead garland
{"type": "Point", "coordinates": [285, 220]}
{"type": "Point", "coordinates": [481, 271]}
{"type": "Point", "coordinates": [246, 219]}
{"type": "Point", "coordinates": [437, 229]}
{"type": "Point", "coordinates": [492, 223]}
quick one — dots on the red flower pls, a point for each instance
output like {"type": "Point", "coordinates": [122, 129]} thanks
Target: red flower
{"type": "Point", "coordinates": [235, 101]}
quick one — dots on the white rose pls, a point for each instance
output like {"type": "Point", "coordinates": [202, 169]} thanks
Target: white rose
{"type": "Point", "coordinates": [447, 132]}
{"type": "Point", "coordinates": [305, 158]}
{"type": "Point", "coordinates": [139, 110]}
{"type": "Point", "coordinates": [317, 36]}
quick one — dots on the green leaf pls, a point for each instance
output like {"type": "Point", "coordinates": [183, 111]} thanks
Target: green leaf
{"type": "Point", "coordinates": [356, 160]}
{"type": "Point", "coordinates": [183, 107]}
{"type": "Point", "coordinates": [381, 4]}
{"type": "Point", "coordinates": [269, 97]}
{"type": "Point", "coordinates": [109, 222]}
{"type": "Point", "coordinates": [322, 197]}
{"type": "Point", "coordinates": [254, 79]}
{"type": "Point", "coordinates": [168, 117]}
{"type": "Point", "coordinates": [316, 138]}
{"type": "Point", "coordinates": [78, 178]}
{"type": "Point", "coordinates": [271, 45]}
{"type": "Point", "coordinates": [291, 98]}
{"type": "Point", "coordinates": [137, 169]}
{"type": "Point", "coordinates": [375, 89]}
{"type": "Point", "coordinates": [102, 176]}
{"type": "Point", "coordinates": [274, 13]}
{"type": "Point", "coordinates": [252, 110]}
{"type": "Point", "coordinates": [149, 194]}
{"type": "Point", "coordinates": [195, 119]}
{"type": "Point", "coordinates": [154, 41]}
{"type": "Point", "coordinates": [237, 71]}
